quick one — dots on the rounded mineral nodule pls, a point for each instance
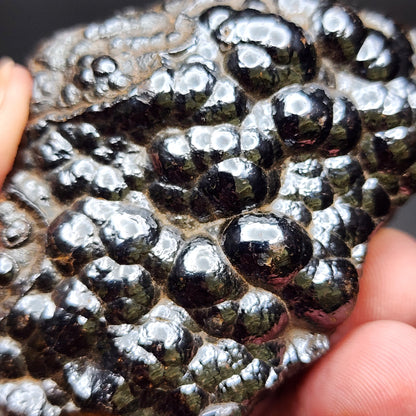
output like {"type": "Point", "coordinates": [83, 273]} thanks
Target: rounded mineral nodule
{"type": "Point", "coordinates": [266, 248]}
{"type": "Point", "coordinates": [201, 276]}
{"type": "Point", "coordinates": [303, 116]}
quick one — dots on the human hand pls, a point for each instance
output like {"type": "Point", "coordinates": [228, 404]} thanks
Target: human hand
{"type": "Point", "coordinates": [15, 92]}
{"type": "Point", "coordinates": [371, 368]}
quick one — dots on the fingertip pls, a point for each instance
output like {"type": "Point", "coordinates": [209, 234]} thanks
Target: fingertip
{"type": "Point", "coordinates": [388, 282]}
{"type": "Point", "coordinates": [14, 113]}
{"type": "Point", "coordinates": [371, 372]}
{"type": "Point", "coordinates": [387, 235]}
{"type": "Point", "coordinates": [23, 78]}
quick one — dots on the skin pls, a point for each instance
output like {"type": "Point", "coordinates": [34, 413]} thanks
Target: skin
{"type": "Point", "coordinates": [15, 91]}
{"type": "Point", "coordinates": [370, 370]}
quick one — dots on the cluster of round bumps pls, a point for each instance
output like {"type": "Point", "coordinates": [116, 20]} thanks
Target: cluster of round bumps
{"type": "Point", "coordinates": [178, 249]}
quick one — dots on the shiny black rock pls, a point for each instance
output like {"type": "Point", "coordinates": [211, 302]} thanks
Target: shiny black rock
{"type": "Point", "coordinates": [201, 276]}
{"type": "Point", "coordinates": [341, 31]}
{"type": "Point", "coordinates": [232, 186]}
{"type": "Point", "coordinates": [267, 249]}
{"type": "Point", "coordinates": [320, 295]}
{"type": "Point", "coordinates": [190, 207]}
{"type": "Point", "coordinates": [303, 116]}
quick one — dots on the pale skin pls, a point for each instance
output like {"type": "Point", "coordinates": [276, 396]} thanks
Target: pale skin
{"type": "Point", "coordinates": [15, 91]}
{"type": "Point", "coordinates": [371, 368]}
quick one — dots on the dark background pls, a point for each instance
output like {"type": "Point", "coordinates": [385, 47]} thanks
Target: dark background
{"type": "Point", "coordinates": [23, 23]}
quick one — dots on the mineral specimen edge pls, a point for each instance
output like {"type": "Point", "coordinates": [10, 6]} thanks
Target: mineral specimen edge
{"type": "Point", "coordinates": [192, 200]}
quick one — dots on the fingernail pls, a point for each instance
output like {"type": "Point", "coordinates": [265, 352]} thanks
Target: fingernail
{"type": "Point", "coordinates": [6, 68]}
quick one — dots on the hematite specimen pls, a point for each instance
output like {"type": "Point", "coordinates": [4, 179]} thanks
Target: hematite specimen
{"type": "Point", "coordinates": [192, 200]}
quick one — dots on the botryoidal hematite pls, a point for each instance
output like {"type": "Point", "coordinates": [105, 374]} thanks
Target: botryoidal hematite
{"type": "Point", "coordinates": [191, 204]}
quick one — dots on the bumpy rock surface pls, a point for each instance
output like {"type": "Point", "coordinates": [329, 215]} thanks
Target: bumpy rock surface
{"type": "Point", "coordinates": [192, 201]}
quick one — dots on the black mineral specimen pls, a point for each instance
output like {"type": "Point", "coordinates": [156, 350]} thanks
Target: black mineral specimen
{"type": "Point", "coordinates": [191, 204]}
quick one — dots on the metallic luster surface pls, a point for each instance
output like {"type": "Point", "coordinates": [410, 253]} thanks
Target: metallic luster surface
{"type": "Point", "coordinates": [191, 204]}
